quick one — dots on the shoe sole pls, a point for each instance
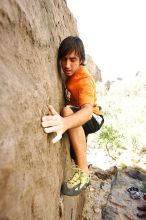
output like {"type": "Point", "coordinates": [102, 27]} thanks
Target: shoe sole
{"type": "Point", "coordinates": [75, 193]}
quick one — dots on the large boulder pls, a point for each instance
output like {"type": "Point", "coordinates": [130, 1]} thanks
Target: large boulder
{"type": "Point", "coordinates": [31, 167]}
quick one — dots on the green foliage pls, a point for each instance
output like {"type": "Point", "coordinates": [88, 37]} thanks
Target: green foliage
{"type": "Point", "coordinates": [110, 135]}
{"type": "Point", "coordinates": [111, 139]}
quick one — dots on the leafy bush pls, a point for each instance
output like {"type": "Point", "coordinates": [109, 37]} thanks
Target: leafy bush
{"type": "Point", "coordinates": [111, 139]}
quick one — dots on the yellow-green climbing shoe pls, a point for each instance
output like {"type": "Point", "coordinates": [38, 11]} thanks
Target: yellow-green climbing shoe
{"type": "Point", "coordinates": [76, 184]}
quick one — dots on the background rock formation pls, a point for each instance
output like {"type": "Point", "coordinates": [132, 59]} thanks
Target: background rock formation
{"type": "Point", "coordinates": [107, 197]}
{"type": "Point", "coordinates": [93, 68]}
{"type": "Point", "coordinates": [31, 167]}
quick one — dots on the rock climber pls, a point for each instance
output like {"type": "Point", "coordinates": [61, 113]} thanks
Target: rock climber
{"type": "Point", "coordinates": [81, 115]}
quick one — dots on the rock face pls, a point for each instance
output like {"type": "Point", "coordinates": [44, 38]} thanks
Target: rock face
{"type": "Point", "coordinates": [31, 167]}
{"type": "Point", "coordinates": [93, 68]}
{"type": "Point", "coordinates": [107, 197]}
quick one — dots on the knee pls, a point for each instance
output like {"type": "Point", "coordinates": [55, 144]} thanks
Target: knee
{"type": "Point", "coordinates": [66, 111]}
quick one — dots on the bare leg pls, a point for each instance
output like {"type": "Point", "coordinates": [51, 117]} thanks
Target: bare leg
{"type": "Point", "coordinates": [78, 141]}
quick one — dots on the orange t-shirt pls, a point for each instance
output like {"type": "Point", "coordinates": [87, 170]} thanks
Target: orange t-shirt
{"type": "Point", "coordinates": [81, 90]}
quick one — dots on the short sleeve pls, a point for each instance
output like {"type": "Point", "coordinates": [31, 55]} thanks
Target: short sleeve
{"type": "Point", "coordinates": [86, 92]}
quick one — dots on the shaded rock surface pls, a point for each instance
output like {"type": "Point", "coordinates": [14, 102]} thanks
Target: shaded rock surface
{"type": "Point", "coordinates": [107, 197]}
{"type": "Point", "coordinates": [31, 167]}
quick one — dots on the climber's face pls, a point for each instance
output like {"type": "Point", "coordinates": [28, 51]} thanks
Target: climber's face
{"type": "Point", "coordinates": [70, 63]}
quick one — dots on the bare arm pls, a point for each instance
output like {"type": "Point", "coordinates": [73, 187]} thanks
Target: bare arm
{"type": "Point", "coordinates": [79, 118]}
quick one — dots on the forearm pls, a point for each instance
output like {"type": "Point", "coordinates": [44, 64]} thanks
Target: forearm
{"type": "Point", "coordinates": [78, 118]}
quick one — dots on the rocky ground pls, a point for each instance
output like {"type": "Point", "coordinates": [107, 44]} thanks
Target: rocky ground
{"type": "Point", "coordinates": [107, 197]}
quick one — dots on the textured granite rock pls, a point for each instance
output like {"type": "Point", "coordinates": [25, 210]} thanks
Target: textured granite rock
{"type": "Point", "coordinates": [31, 167]}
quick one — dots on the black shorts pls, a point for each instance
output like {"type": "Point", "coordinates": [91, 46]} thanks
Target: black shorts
{"type": "Point", "coordinates": [92, 125]}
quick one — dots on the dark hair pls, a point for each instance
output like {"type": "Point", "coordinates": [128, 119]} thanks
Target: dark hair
{"type": "Point", "coordinates": [68, 45]}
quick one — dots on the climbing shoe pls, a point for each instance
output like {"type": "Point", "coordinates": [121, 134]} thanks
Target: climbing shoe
{"type": "Point", "coordinates": [76, 184]}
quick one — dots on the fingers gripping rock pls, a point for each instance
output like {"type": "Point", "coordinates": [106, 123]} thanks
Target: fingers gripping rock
{"type": "Point", "coordinates": [54, 129]}
{"type": "Point", "coordinates": [53, 123]}
{"type": "Point", "coordinates": [57, 138]}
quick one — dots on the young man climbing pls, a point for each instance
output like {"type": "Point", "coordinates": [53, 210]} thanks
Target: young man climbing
{"type": "Point", "coordinates": [80, 117]}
